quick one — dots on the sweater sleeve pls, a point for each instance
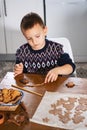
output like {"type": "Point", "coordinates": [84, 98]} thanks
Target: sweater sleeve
{"type": "Point", "coordinates": [18, 59]}
{"type": "Point", "coordinates": [65, 59]}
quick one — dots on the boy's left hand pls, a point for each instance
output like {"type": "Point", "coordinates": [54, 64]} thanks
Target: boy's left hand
{"type": "Point", "coordinates": [52, 75]}
{"type": "Point", "coordinates": [18, 69]}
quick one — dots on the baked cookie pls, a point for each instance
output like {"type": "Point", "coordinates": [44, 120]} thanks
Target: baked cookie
{"type": "Point", "coordinates": [24, 81]}
{"type": "Point", "coordinates": [70, 84]}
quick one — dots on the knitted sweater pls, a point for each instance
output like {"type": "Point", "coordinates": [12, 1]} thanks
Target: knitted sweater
{"type": "Point", "coordinates": [41, 61]}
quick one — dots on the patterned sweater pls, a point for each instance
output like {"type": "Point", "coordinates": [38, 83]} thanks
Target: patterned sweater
{"type": "Point", "coordinates": [41, 61]}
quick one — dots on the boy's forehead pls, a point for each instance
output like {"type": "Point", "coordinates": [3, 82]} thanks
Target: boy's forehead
{"type": "Point", "coordinates": [36, 30]}
{"type": "Point", "coordinates": [37, 25]}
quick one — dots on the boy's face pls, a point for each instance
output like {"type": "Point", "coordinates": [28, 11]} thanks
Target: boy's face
{"type": "Point", "coordinates": [36, 36]}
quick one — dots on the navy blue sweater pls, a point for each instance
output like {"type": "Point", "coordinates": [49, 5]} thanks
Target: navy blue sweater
{"type": "Point", "coordinates": [41, 61]}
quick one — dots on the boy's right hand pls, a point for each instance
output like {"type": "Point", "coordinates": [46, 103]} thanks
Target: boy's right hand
{"type": "Point", "coordinates": [18, 69]}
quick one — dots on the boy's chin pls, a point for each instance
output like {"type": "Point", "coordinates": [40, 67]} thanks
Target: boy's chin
{"type": "Point", "coordinates": [37, 48]}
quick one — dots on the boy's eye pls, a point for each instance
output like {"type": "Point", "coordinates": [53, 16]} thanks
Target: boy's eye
{"type": "Point", "coordinates": [29, 39]}
{"type": "Point", "coordinates": [38, 36]}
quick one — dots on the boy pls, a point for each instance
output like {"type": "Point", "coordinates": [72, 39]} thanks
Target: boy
{"type": "Point", "coordinates": [40, 55]}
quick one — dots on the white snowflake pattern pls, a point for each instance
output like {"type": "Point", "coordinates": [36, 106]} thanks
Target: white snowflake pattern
{"type": "Point", "coordinates": [26, 64]}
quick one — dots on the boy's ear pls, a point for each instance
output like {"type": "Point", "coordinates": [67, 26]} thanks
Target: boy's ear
{"type": "Point", "coordinates": [45, 30]}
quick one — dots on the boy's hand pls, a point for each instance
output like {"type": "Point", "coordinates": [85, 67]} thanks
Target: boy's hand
{"type": "Point", "coordinates": [18, 69]}
{"type": "Point", "coordinates": [60, 70]}
{"type": "Point", "coordinates": [52, 75]}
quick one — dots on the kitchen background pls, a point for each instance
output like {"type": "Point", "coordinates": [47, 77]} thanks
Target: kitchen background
{"type": "Point", "coordinates": [64, 18]}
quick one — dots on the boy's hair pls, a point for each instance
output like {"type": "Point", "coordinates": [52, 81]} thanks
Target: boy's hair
{"type": "Point", "coordinates": [29, 20]}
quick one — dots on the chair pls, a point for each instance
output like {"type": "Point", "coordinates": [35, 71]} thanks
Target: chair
{"type": "Point", "coordinates": [66, 47]}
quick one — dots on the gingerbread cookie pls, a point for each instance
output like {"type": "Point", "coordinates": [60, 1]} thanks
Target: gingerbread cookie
{"type": "Point", "coordinates": [24, 81]}
{"type": "Point", "coordinates": [70, 84]}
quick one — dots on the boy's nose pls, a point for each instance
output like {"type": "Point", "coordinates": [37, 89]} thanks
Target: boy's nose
{"type": "Point", "coordinates": [34, 41]}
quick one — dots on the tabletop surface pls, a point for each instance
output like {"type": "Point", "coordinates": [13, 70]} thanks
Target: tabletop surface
{"type": "Point", "coordinates": [31, 101]}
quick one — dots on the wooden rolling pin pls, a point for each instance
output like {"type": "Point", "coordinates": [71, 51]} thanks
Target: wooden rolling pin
{"type": "Point", "coordinates": [29, 91]}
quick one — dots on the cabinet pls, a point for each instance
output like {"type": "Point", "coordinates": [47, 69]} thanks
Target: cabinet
{"type": "Point", "coordinates": [69, 19]}
{"type": "Point", "coordinates": [63, 19]}
{"type": "Point", "coordinates": [11, 13]}
{"type": "Point", "coordinates": [2, 34]}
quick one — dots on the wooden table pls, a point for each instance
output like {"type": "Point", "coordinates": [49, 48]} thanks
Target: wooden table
{"type": "Point", "coordinates": [32, 101]}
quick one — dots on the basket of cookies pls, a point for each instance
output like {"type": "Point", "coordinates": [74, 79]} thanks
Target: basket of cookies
{"type": "Point", "coordinates": [10, 99]}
